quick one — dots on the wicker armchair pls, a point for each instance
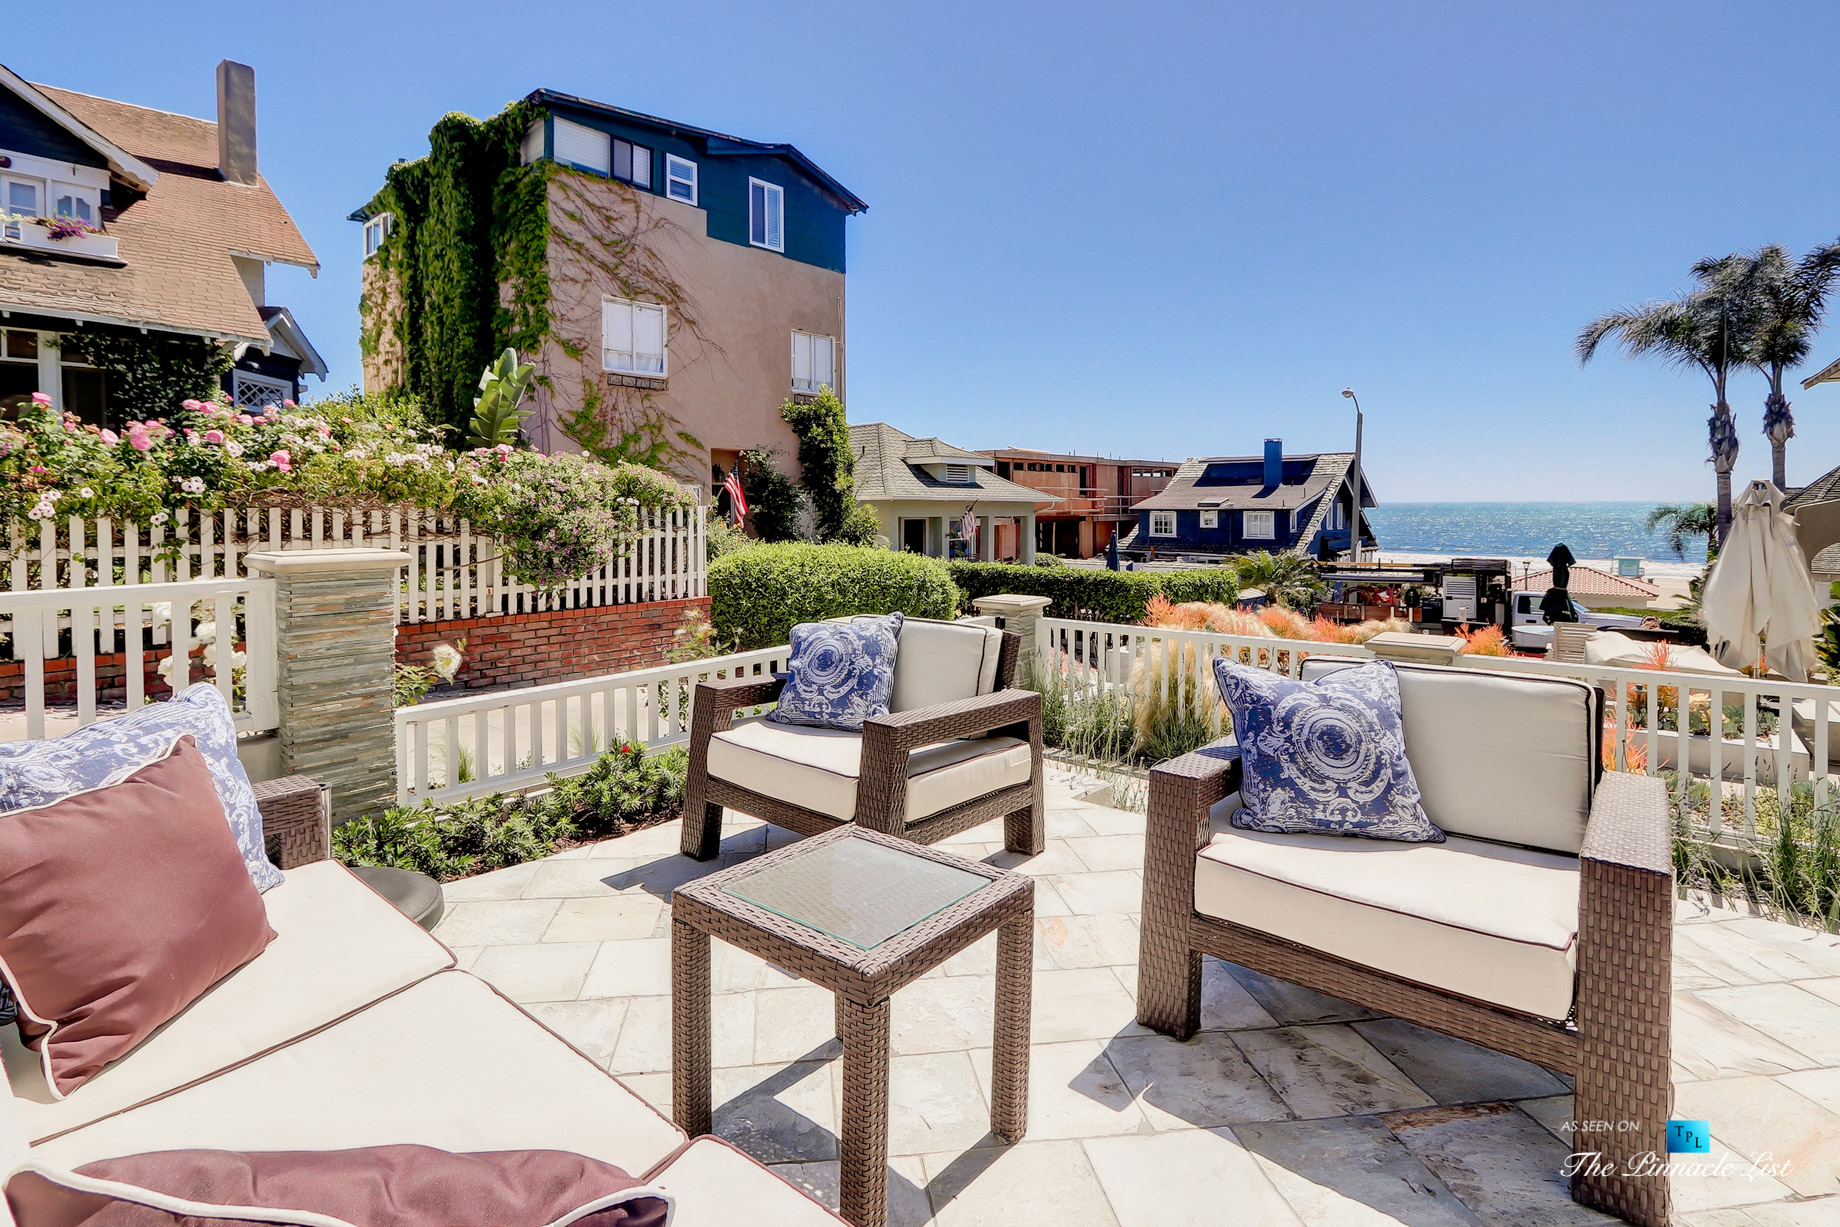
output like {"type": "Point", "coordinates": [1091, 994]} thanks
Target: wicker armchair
{"type": "Point", "coordinates": [1542, 928]}
{"type": "Point", "coordinates": [958, 748]}
{"type": "Point", "coordinates": [296, 822]}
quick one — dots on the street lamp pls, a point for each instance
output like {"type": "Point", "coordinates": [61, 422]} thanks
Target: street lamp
{"type": "Point", "coordinates": [1354, 523]}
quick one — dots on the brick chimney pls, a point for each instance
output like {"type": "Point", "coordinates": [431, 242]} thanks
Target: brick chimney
{"type": "Point", "coordinates": [236, 121]}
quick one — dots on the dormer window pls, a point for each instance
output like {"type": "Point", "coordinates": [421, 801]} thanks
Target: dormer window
{"type": "Point", "coordinates": [21, 197]}
{"type": "Point", "coordinates": [81, 203]}
{"type": "Point", "coordinates": [376, 230]}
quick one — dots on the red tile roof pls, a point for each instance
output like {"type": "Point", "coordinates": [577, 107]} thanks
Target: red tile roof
{"type": "Point", "coordinates": [1589, 581]}
{"type": "Point", "coordinates": [176, 244]}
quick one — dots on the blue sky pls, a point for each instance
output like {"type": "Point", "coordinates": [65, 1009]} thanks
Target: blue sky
{"type": "Point", "coordinates": [1153, 230]}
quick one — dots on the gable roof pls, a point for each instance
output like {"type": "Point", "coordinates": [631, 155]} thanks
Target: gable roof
{"type": "Point", "coordinates": [122, 164]}
{"type": "Point", "coordinates": [717, 144]}
{"type": "Point", "coordinates": [888, 468]}
{"type": "Point", "coordinates": [1827, 374]}
{"type": "Point", "coordinates": [1823, 489]}
{"type": "Point", "coordinates": [1590, 581]}
{"type": "Point", "coordinates": [176, 244]}
{"type": "Point", "coordinates": [1182, 494]}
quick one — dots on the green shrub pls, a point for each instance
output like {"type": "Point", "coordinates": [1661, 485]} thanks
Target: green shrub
{"type": "Point", "coordinates": [774, 499]}
{"type": "Point", "coordinates": [861, 526]}
{"type": "Point", "coordinates": [759, 594]}
{"type": "Point", "coordinates": [827, 465]}
{"type": "Point", "coordinates": [1091, 593]}
{"type": "Point", "coordinates": [625, 788]}
{"type": "Point", "coordinates": [723, 538]}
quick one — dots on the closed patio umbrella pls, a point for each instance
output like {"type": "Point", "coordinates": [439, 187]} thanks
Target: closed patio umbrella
{"type": "Point", "coordinates": [1760, 587]}
{"type": "Point", "coordinates": [1111, 553]}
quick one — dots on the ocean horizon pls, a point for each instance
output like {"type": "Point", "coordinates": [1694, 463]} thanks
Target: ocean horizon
{"type": "Point", "coordinates": [1591, 530]}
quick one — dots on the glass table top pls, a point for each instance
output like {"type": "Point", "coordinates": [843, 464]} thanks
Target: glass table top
{"type": "Point", "coordinates": [856, 890]}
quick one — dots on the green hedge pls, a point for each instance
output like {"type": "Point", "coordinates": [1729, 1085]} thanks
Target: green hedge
{"type": "Point", "coordinates": [757, 595]}
{"type": "Point", "coordinates": [1099, 595]}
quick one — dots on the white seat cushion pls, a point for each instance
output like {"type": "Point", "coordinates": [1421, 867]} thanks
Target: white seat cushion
{"type": "Point", "coordinates": [449, 1064]}
{"type": "Point", "coordinates": [1497, 755]}
{"type": "Point", "coordinates": [339, 946]}
{"type": "Point", "coordinates": [940, 662]}
{"type": "Point", "coordinates": [1496, 923]}
{"type": "Point", "coordinates": [818, 768]}
{"type": "Point", "coordinates": [716, 1185]}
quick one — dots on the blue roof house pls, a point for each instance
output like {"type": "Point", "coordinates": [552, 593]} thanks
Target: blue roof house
{"type": "Point", "coordinates": [1247, 504]}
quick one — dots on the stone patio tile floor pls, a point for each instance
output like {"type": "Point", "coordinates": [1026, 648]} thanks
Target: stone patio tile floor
{"type": "Point", "coordinates": [1287, 1108]}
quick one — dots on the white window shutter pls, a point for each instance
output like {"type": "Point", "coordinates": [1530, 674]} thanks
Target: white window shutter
{"type": "Point", "coordinates": [648, 338]}
{"type": "Point", "coordinates": [641, 166]}
{"type": "Point", "coordinates": [801, 362]}
{"type": "Point", "coordinates": [823, 362]}
{"type": "Point", "coordinates": [583, 146]}
{"type": "Point", "coordinates": [616, 335]}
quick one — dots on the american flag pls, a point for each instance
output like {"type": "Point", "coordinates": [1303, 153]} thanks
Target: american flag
{"type": "Point", "coordinates": [967, 524]}
{"type": "Point", "coordinates": [737, 501]}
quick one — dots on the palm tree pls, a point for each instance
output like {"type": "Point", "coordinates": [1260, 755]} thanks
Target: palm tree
{"type": "Point", "coordinates": [1786, 299]}
{"type": "Point", "coordinates": [1707, 329]}
{"type": "Point", "coordinates": [1286, 579]}
{"type": "Point", "coordinates": [1679, 521]}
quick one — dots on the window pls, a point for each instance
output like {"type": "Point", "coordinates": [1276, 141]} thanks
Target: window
{"type": "Point", "coordinates": [1162, 524]}
{"type": "Point", "coordinates": [814, 362]}
{"type": "Point", "coordinates": [580, 145]}
{"type": "Point", "coordinates": [679, 178]}
{"type": "Point", "coordinates": [632, 337]}
{"type": "Point", "coordinates": [22, 197]}
{"type": "Point", "coordinates": [531, 147]}
{"type": "Point", "coordinates": [18, 368]}
{"type": "Point", "coordinates": [82, 203]}
{"type": "Point", "coordinates": [255, 393]}
{"type": "Point", "coordinates": [1210, 519]}
{"type": "Point", "coordinates": [376, 230]}
{"type": "Point", "coordinates": [1258, 525]}
{"type": "Point", "coordinates": [632, 163]}
{"type": "Point", "coordinates": [766, 215]}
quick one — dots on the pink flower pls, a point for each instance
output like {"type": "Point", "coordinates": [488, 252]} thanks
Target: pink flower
{"type": "Point", "coordinates": [209, 409]}
{"type": "Point", "coordinates": [39, 398]}
{"type": "Point", "coordinates": [281, 460]}
{"type": "Point", "coordinates": [288, 403]}
{"type": "Point", "coordinates": [37, 468]}
{"type": "Point", "coordinates": [138, 438]}
{"type": "Point", "coordinates": [245, 419]}
{"type": "Point", "coordinates": [110, 437]}
{"type": "Point", "coordinates": [213, 436]}
{"type": "Point", "coordinates": [270, 412]}
{"type": "Point", "coordinates": [193, 405]}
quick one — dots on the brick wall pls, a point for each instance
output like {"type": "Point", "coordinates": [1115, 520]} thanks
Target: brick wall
{"type": "Point", "coordinates": [528, 649]}
{"type": "Point", "coordinates": [111, 674]}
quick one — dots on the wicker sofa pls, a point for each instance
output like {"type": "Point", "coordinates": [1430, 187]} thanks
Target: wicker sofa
{"type": "Point", "coordinates": [958, 748]}
{"type": "Point", "coordinates": [1541, 928]}
{"type": "Point", "coordinates": [354, 1029]}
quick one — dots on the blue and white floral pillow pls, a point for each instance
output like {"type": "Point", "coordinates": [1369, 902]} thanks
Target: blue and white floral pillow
{"type": "Point", "coordinates": [1326, 757]}
{"type": "Point", "coordinates": [35, 773]}
{"type": "Point", "coordinates": [841, 673]}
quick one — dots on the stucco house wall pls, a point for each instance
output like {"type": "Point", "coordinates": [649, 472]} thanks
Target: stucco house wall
{"type": "Point", "coordinates": [729, 364]}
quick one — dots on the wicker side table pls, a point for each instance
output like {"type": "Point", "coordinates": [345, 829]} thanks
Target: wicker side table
{"type": "Point", "coordinates": [862, 914]}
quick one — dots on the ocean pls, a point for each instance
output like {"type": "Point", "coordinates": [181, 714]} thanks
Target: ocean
{"type": "Point", "coordinates": [1595, 533]}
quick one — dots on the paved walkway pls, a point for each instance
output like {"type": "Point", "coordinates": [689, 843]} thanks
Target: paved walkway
{"type": "Point", "coordinates": [1289, 1108]}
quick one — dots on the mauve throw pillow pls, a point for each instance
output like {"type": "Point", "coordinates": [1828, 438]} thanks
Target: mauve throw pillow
{"type": "Point", "coordinates": [840, 673]}
{"type": "Point", "coordinates": [380, 1186]}
{"type": "Point", "coordinates": [1326, 757]}
{"type": "Point", "coordinates": [118, 908]}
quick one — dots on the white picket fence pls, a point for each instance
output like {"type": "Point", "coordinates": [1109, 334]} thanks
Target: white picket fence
{"type": "Point", "coordinates": [1645, 729]}
{"type": "Point", "coordinates": [453, 572]}
{"type": "Point", "coordinates": [142, 624]}
{"type": "Point", "coordinates": [501, 741]}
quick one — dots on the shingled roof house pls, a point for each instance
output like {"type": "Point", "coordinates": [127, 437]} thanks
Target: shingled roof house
{"type": "Point", "coordinates": [1245, 504]}
{"type": "Point", "coordinates": [922, 489]}
{"type": "Point", "coordinates": [122, 219]}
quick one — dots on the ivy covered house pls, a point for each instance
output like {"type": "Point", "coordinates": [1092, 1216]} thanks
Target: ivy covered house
{"type": "Point", "coordinates": [1301, 504]}
{"type": "Point", "coordinates": [672, 285]}
{"type": "Point", "coordinates": [134, 245]}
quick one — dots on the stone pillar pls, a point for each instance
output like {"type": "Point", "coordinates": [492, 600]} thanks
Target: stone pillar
{"type": "Point", "coordinates": [1019, 614]}
{"type": "Point", "coordinates": [987, 539]}
{"type": "Point", "coordinates": [335, 630]}
{"type": "Point", "coordinates": [1028, 539]}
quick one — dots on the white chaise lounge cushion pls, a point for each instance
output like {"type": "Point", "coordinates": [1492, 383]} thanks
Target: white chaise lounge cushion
{"type": "Point", "coordinates": [818, 768]}
{"type": "Point", "coordinates": [449, 1064]}
{"type": "Point", "coordinates": [1497, 755]}
{"type": "Point", "coordinates": [339, 946]}
{"type": "Point", "coordinates": [940, 662]}
{"type": "Point", "coordinates": [1495, 923]}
